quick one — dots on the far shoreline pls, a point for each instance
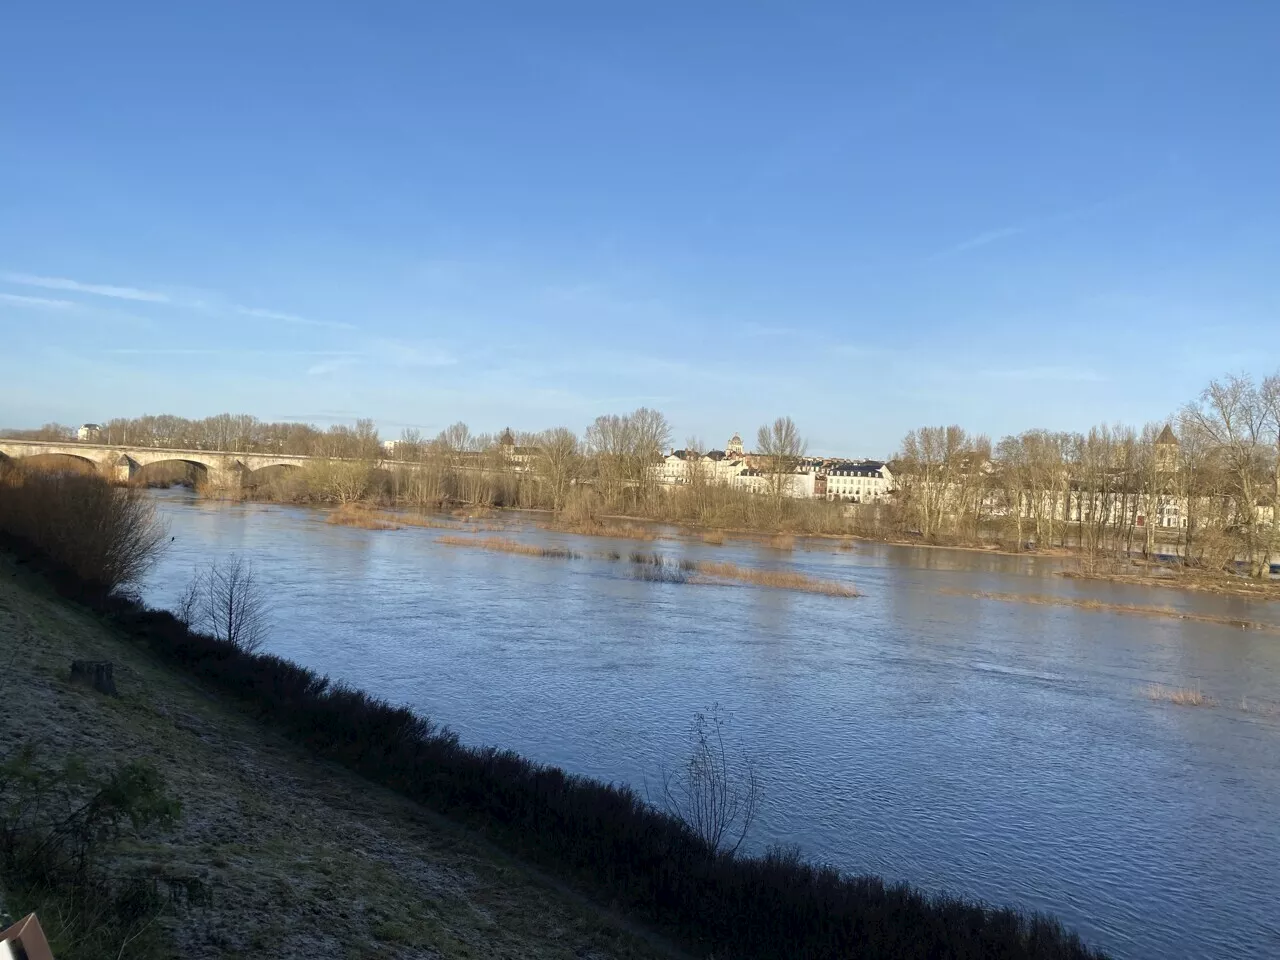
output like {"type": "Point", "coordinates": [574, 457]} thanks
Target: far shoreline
{"type": "Point", "coordinates": [1175, 578]}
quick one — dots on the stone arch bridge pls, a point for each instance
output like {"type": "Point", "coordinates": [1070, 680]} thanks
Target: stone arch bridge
{"type": "Point", "coordinates": [222, 468]}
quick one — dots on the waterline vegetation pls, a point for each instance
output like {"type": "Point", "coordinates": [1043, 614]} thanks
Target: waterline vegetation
{"type": "Point", "coordinates": [1179, 696]}
{"type": "Point", "coordinates": [1101, 606]}
{"type": "Point", "coordinates": [662, 569]}
{"type": "Point", "coordinates": [503, 545]}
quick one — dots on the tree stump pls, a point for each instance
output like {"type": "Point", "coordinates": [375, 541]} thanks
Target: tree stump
{"type": "Point", "coordinates": [95, 673]}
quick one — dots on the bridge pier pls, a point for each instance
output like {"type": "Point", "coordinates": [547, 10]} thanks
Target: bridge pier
{"type": "Point", "coordinates": [121, 469]}
{"type": "Point", "coordinates": [224, 473]}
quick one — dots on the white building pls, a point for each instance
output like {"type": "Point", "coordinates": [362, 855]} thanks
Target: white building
{"type": "Point", "coordinates": [865, 481]}
{"type": "Point", "coordinates": [801, 485]}
{"type": "Point", "coordinates": [89, 432]}
{"type": "Point", "coordinates": [715, 466]}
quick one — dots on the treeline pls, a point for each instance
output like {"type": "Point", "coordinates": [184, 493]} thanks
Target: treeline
{"type": "Point", "coordinates": [233, 432]}
{"type": "Point", "coordinates": [1207, 478]}
{"type": "Point", "coordinates": [608, 471]}
{"type": "Point", "coordinates": [603, 838]}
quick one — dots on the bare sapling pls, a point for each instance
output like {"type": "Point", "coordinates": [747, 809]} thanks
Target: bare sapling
{"type": "Point", "coordinates": [227, 600]}
{"type": "Point", "coordinates": [715, 796]}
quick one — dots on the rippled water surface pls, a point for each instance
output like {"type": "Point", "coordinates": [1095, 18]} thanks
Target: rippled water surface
{"type": "Point", "coordinates": [1000, 750]}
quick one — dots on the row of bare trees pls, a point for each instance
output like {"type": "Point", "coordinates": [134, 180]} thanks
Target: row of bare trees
{"type": "Point", "coordinates": [610, 469]}
{"type": "Point", "coordinates": [1207, 479]}
{"type": "Point", "coordinates": [237, 433]}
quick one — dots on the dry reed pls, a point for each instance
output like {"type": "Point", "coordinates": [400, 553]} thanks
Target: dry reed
{"type": "Point", "coordinates": [502, 545]}
{"type": "Point", "coordinates": [351, 516]}
{"type": "Point", "coordinates": [713, 537]}
{"type": "Point", "coordinates": [625, 531]}
{"type": "Point", "coordinates": [1181, 696]}
{"type": "Point", "coordinates": [783, 580]}
{"type": "Point", "coordinates": [783, 541]}
{"type": "Point", "coordinates": [1262, 709]}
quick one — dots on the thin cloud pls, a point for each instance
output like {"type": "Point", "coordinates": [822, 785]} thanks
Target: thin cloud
{"type": "Point", "coordinates": [988, 237]}
{"type": "Point", "coordinates": [982, 240]}
{"type": "Point", "coordinates": [24, 301]}
{"type": "Point", "coordinates": [75, 286]}
{"type": "Point", "coordinates": [258, 313]}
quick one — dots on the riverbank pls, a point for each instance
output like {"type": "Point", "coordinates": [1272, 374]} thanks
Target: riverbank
{"type": "Point", "coordinates": [301, 857]}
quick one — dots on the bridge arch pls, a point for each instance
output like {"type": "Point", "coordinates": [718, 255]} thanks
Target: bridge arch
{"type": "Point", "coordinates": [56, 462]}
{"type": "Point", "coordinates": [170, 471]}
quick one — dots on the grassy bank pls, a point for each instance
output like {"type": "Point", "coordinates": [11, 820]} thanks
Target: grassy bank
{"type": "Point", "coordinates": [602, 839]}
{"type": "Point", "coordinates": [300, 858]}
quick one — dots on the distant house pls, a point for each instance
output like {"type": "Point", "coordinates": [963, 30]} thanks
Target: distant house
{"type": "Point", "coordinates": [865, 481]}
{"type": "Point", "coordinates": [89, 432]}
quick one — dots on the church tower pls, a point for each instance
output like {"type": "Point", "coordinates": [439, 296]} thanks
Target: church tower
{"type": "Point", "coordinates": [1166, 450]}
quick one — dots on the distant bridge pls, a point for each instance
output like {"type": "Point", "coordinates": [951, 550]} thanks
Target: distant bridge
{"type": "Point", "coordinates": [221, 467]}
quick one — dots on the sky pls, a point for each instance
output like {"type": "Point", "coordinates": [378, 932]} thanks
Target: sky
{"type": "Point", "coordinates": [868, 217]}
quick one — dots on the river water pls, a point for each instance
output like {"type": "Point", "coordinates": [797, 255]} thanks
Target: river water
{"type": "Point", "coordinates": [1004, 751]}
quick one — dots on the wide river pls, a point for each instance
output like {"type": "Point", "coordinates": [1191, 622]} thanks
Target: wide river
{"type": "Point", "coordinates": [1005, 751]}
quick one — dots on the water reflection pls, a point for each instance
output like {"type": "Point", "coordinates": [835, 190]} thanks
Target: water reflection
{"type": "Point", "coordinates": [996, 749]}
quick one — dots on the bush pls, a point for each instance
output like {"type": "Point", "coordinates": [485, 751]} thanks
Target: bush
{"type": "Point", "coordinates": [55, 825]}
{"type": "Point", "coordinates": [107, 536]}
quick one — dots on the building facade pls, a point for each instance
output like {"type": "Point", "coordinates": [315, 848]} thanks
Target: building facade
{"type": "Point", "coordinates": [865, 481]}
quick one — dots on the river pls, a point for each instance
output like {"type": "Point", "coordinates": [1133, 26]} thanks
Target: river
{"type": "Point", "coordinates": [1004, 751]}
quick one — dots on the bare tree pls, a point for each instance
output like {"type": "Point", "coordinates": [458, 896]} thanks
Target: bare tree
{"type": "Point", "coordinates": [558, 463]}
{"type": "Point", "coordinates": [1155, 484]}
{"type": "Point", "coordinates": [941, 471]}
{"type": "Point", "coordinates": [1014, 471]}
{"type": "Point", "coordinates": [780, 448]}
{"type": "Point", "coordinates": [649, 434]}
{"type": "Point", "coordinates": [714, 796]}
{"type": "Point", "coordinates": [624, 451]}
{"type": "Point", "coordinates": [698, 480]}
{"type": "Point", "coordinates": [1269, 401]}
{"type": "Point", "coordinates": [1233, 416]}
{"type": "Point", "coordinates": [228, 601]}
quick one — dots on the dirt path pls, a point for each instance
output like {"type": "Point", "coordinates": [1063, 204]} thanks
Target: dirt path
{"type": "Point", "coordinates": [303, 858]}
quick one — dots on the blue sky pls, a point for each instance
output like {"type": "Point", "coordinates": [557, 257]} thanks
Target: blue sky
{"type": "Point", "coordinates": [868, 217]}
